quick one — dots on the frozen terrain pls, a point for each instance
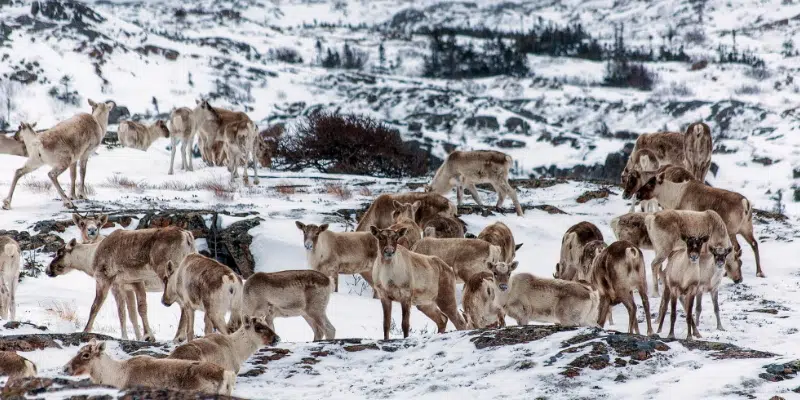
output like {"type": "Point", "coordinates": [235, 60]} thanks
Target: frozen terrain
{"type": "Point", "coordinates": [145, 58]}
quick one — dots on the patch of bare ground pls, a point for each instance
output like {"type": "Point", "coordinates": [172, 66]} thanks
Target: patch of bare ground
{"type": "Point", "coordinates": [338, 190]}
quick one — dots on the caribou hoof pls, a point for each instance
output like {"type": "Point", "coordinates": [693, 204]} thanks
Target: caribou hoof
{"type": "Point", "coordinates": [760, 275]}
{"type": "Point", "coordinates": [6, 204]}
{"type": "Point", "coordinates": [149, 338]}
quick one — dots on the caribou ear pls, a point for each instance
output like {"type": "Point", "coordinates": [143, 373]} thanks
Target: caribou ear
{"type": "Point", "coordinates": [32, 125]}
{"type": "Point", "coordinates": [374, 230]}
{"type": "Point", "coordinates": [704, 239]}
{"type": "Point", "coordinates": [517, 246]}
{"type": "Point", "coordinates": [660, 178]}
{"type": "Point", "coordinates": [396, 204]}
{"type": "Point", "coordinates": [103, 220]}
{"type": "Point", "coordinates": [513, 266]}
{"type": "Point", "coordinates": [73, 242]}
{"type": "Point", "coordinates": [323, 227]}
{"type": "Point", "coordinates": [92, 103]}
{"type": "Point", "coordinates": [402, 232]}
{"type": "Point", "coordinates": [300, 225]}
{"type": "Point", "coordinates": [684, 238]}
{"type": "Point", "coordinates": [76, 219]}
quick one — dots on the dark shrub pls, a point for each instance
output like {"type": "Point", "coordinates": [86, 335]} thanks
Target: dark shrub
{"type": "Point", "coordinates": [621, 73]}
{"type": "Point", "coordinates": [350, 144]}
{"type": "Point", "coordinates": [285, 54]}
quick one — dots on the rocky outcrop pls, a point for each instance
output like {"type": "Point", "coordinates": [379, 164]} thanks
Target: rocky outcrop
{"type": "Point", "coordinates": [48, 242]}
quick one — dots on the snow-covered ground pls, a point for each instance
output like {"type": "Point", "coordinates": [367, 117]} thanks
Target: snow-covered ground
{"type": "Point", "coordinates": [105, 54]}
{"type": "Point", "coordinates": [277, 245]}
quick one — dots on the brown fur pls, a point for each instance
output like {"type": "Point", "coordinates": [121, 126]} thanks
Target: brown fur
{"type": "Point", "coordinates": [66, 145]}
{"type": "Point", "coordinates": [683, 279]}
{"type": "Point", "coordinates": [441, 226]}
{"type": "Point", "coordinates": [380, 211]}
{"type": "Point", "coordinates": [181, 128]}
{"type": "Point", "coordinates": [135, 256]}
{"type": "Point", "coordinates": [643, 180]}
{"type": "Point", "coordinates": [150, 372]}
{"type": "Point", "coordinates": [267, 144]}
{"type": "Point", "coordinates": [526, 297]}
{"type": "Point", "coordinates": [735, 209]}
{"type": "Point", "coordinates": [500, 235]}
{"type": "Point", "coordinates": [478, 300]}
{"type": "Point", "coordinates": [630, 227]}
{"type": "Point", "coordinates": [15, 366]}
{"type": "Point", "coordinates": [666, 228]}
{"type": "Point", "coordinates": [468, 168]}
{"type": "Point", "coordinates": [10, 146]}
{"type": "Point", "coordinates": [234, 129]}
{"type": "Point", "coordinates": [413, 279]}
{"type": "Point", "coordinates": [10, 264]}
{"type": "Point", "coordinates": [139, 136]}
{"type": "Point", "coordinates": [334, 253]}
{"type": "Point", "coordinates": [201, 283]}
{"type": "Point", "coordinates": [572, 243]}
{"type": "Point", "coordinates": [229, 351]}
{"type": "Point", "coordinates": [616, 272]}
{"type": "Point", "coordinates": [290, 294]}
{"type": "Point", "coordinates": [403, 216]}
{"type": "Point", "coordinates": [466, 256]}
{"type": "Point", "coordinates": [697, 149]}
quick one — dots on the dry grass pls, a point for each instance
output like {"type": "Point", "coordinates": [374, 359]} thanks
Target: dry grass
{"type": "Point", "coordinates": [123, 182]}
{"type": "Point", "coordinates": [338, 190]}
{"type": "Point", "coordinates": [220, 187]}
{"type": "Point", "coordinates": [63, 311]}
{"type": "Point", "coordinates": [286, 188]}
{"type": "Point", "coordinates": [177, 186]}
{"type": "Point", "coordinates": [89, 189]}
{"type": "Point", "coordinates": [364, 191]}
{"type": "Point", "coordinates": [37, 186]}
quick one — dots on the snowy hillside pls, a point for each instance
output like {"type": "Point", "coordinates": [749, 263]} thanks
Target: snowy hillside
{"type": "Point", "coordinates": [151, 56]}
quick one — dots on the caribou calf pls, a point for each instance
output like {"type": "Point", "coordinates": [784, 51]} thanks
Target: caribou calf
{"type": "Point", "coordinates": [291, 293]}
{"type": "Point", "coordinates": [413, 279]}
{"type": "Point", "coordinates": [201, 283]}
{"type": "Point", "coordinates": [526, 297]}
{"type": "Point", "coordinates": [229, 351]}
{"type": "Point", "coordinates": [159, 373]}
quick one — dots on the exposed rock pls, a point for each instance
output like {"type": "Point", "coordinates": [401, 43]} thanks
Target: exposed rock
{"type": "Point", "coordinates": [702, 64]}
{"type": "Point", "coordinates": [764, 161]}
{"type": "Point", "coordinates": [17, 324]}
{"type": "Point", "coordinates": [609, 172]}
{"type": "Point", "coordinates": [47, 241]}
{"type": "Point", "coordinates": [510, 144]}
{"type": "Point", "coordinates": [23, 77]}
{"type": "Point", "coordinates": [148, 49]}
{"type": "Point", "coordinates": [517, 125]}
{"type": "Point", "coordinates": [594, 194]}
{"type": "Point", "coordinates": [191, 221]}
{"type": "Point", "coordinates": [117, 113]}
{"type": "Point", "coordinates": [22, 388]}
{"type": "Point", "coordinates": [414, 127]}
{"type": "Point", "coordinates": [482, 122]}
{"type": "Point", "coordinates": [231, 246]}
{"type": "Point", "coordinates": [795, 173]}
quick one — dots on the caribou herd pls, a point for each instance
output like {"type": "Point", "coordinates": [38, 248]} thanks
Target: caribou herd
{"type": "Point", "coordinates": [409, 247]}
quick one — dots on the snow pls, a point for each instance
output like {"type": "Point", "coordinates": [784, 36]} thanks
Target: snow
{"type": "Point", "coordinates": [564, 96]}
